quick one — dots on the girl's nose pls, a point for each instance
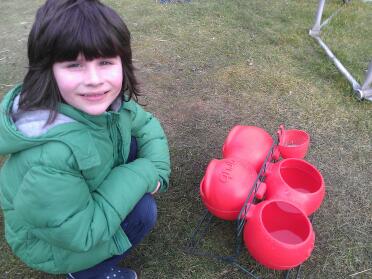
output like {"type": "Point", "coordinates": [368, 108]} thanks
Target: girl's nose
{"type": "Point", "coordinates": [92, 75]}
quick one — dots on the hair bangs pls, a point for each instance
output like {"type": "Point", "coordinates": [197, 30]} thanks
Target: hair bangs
{"type": "Point", "coordinates": [88, 35]}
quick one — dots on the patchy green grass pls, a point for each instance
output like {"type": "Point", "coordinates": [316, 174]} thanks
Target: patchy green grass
{"type": "Point", "coordinates": [209, 65]}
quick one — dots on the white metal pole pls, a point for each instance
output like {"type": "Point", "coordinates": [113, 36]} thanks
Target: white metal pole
{"type": "Point", "coordinates": [362, 92]}
{"type": "Point", "coordinates": [367, 85]}
{"type": "Point", "coordinates": [318, 18]}
{"type": "Point", "coordinates": [338, 64]}
{"type": "Point", "coordinates": [368, 80]}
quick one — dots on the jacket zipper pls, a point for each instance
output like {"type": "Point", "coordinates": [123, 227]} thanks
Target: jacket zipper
{"type": "Point", "coordinates": [115, 138]}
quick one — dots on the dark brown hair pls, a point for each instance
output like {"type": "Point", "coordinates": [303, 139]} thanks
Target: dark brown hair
{"type": "Point", "coordinates": [62, 30]}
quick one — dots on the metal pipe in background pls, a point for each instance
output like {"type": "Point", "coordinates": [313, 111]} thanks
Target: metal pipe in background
{"type": "Point", "coordinates": [338, 64]}
{"type": "Point", "coordinates": [367, 85]}
{"type": "Point", "coordinates": [318, 18]}
{"type": "Point", "coordinates": [362, 92]}
{"type": "Point", "coordinates": [368, 80]}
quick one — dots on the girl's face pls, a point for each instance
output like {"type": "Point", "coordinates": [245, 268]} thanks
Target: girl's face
{"type": "Point", "coordinates": [90, 86]}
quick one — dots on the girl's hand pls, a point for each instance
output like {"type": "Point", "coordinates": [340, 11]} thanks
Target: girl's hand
{"type": "Point", "coordinates": [156, 189]}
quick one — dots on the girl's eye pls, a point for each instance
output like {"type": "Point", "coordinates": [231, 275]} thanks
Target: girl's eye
{"type": "Point", "coordinates": [105, 62]}
{"type": "Point", "coordinates": [73, 65]}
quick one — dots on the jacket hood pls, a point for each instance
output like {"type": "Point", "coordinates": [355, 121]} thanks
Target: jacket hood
{"type": "Point", "coordinates": [71, 124]}
{"type": "Point", "coordinates": [11, 139]}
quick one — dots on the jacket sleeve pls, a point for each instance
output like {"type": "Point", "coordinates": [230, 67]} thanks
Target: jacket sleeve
{"type": "Point", "coordinates": [152, 143]}
{"type": "Point", "coordinates": [62, 211]}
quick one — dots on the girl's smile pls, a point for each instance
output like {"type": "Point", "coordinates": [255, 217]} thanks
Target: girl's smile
{"type": "Point", "coordinates": [94, 96]}
{"type": "Point", "coordinates": [90, 86]}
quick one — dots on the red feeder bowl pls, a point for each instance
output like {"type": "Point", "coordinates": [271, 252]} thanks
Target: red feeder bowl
{"type": "Point", "coordinates": [293, 143]}
{"type": "Point", "coordinates": [278, 235]}
{"type": "Point", "coordinates": [295, 181]}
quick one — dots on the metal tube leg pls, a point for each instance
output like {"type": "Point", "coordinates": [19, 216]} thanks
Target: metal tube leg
{"type": "Point", "coordinates": [318, 18]}
{"type": "Point", "coordinates": [339, 65]}
{"type": "Point", "coordinates": [368, 80]}
{"type": "Point", "coordinates": [366, 90]}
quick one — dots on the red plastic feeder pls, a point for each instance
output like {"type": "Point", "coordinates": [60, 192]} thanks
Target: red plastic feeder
{"type": "Point", "coordinates": [278, 234]}
{"type": "Point", "coordinates": [296, 181]}
{"type": "Point", "coordinates": [250, 144]}
{"type": "Point", "coordinates": [225, 187]}
{"type": "Point", "coordinates": [293, 143]}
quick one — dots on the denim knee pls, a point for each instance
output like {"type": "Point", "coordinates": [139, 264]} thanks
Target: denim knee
{"type": "Point", "coordinates": [141, 219]}
{"type": "Point", "coordinates": [150, 211]}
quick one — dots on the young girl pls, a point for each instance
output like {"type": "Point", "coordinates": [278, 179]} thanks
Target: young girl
{"type": "Point", "coordinates": [84, 156]}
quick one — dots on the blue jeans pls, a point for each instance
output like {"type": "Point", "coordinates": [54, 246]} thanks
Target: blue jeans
{"type": "Point", "coordinates": [136, 226]}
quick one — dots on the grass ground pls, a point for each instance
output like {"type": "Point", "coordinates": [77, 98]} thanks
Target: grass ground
{"type": "Point", "coordinates": [209, 65]}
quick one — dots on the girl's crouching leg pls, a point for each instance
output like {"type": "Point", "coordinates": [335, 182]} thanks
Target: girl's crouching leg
{"type": "Point", "coordinates": [141, 220]}
{"type": "Point", "coordinates": [136, 226]}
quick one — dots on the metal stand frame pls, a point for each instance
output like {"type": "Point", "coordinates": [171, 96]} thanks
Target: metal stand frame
{"type": "Point", "coordinates": [200, 233]}
{"type": "Point", "coordinates": [362, 91]}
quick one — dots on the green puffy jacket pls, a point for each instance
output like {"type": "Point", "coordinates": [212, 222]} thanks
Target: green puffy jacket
{"type": "Point", "coordinates": [65, 191]}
